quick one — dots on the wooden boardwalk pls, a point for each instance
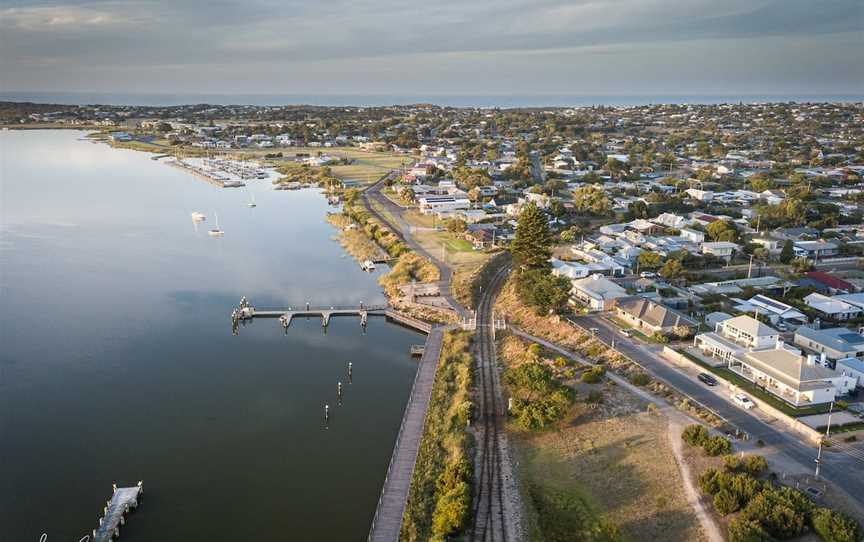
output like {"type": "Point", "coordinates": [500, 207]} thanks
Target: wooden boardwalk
{"type": "Point", "coordinates": [391, 505]}
{"type": "Point", "coordinates": [122, 501]}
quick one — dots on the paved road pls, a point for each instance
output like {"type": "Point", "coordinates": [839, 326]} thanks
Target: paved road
{"type": "Point", "coordinates": [844, 471]}
{"type": "Point", "coordinates": [402, 229]}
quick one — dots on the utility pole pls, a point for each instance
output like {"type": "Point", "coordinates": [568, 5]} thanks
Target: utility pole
{"type": "Point", "coordinates": [750, 267]}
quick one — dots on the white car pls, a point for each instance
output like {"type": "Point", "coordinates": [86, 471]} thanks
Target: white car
{"type": "Point", "coordinates": [743, 401]}
{"type": "Point", "coordinates": [647, 274]}
{"type": "Point", "coordinates": [626, 333]}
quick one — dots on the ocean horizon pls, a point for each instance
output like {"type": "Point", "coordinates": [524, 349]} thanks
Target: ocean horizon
{"type": "Point", "coordinates": [377, 100]}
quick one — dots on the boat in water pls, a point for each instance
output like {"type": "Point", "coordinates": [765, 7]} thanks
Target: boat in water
{"type": "Point", "coordinates": [216, 232]}
{"type": "Point", "coordinates": [199, 217]}
{"type": "Point", "coordinates": [368, 265]}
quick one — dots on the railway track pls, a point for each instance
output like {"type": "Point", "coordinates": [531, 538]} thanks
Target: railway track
{"type": "Point", "coordinates": [489, 522]}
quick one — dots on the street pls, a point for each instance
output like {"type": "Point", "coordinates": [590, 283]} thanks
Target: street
{"type": "Point", "coordinates": [842, 470]}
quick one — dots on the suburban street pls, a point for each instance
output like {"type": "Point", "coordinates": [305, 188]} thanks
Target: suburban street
{"type": "Point", "coordinates": [842, 470]}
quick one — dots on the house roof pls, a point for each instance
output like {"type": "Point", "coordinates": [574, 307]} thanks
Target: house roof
{"type": "Point", "coordinates": [599, 287]}
{"type": "Point", "coordinates": [788, 367]}
{"type": "Point", "coordinates": [653, 313]}
{"type": "Point", "coordinates": [830, 280]}
{"type": "Point", "coordinates": [830, 305]}
{"type": "Point", "coordinates": [840, 339]}
{"type": "Point", "coordinates": [750, 325]}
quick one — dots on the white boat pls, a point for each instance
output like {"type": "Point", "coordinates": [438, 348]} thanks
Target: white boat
{"type": "Point", "coordinates": [199, 217]}
{"type": "Point", "coordinates": [216, 232]}
{"type": "Point", "coordinates": [368, 265]}
{"type": "Point", "coordinates": [252, 202]}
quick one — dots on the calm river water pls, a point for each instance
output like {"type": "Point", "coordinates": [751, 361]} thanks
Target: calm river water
{"type": "Point", "coordinates": [117, 361]}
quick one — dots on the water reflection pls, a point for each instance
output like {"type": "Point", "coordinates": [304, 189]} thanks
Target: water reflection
{"type": "Point", "coordinates": [118, 363]}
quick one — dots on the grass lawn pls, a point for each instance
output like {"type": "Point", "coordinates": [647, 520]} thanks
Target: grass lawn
{"type": "Point", "coordinates": [416, 218]}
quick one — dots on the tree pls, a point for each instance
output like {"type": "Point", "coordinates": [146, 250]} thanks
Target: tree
{"type": "Point", "coordinates": [801, 265]}
{"type": "Point", "coordinates": [591, 200]}
{"type": "Point", "coordinates": [638, 209]}
{"type": "Point", "coordinates": [672, 270]}
{"type": "Point", "coordinates": [649, 260]}
{"type": "Point", "coordinates": [531, 247]}
{"type": "Point", "coordinates": [746, 530]}
{"type": "Point", "coordinates": [540, 289]}
{"type": "Point", "coordinates": [834, 526]}
{"type": "Point", "coordinates": [788, 252]}
{"type": "Point", "coordinates": [721, 230]}
{"type": "Point", "coordinates": [569, 235]}
{"type": "Point", "coordinates": [456, 225]}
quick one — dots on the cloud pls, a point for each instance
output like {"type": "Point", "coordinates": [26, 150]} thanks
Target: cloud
{"type": "Point", "coordinates": [189, 39]}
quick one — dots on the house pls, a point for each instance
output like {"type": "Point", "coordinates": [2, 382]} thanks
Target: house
{"type": "Point", "coordinates": [720, 249]}
{"type": "Point", "coordinates": [694, 236]}
{"type": "Point", "coordinates": [835, 343]}
{"type": "Point", "coordinates": [438, 204]}
{"type": "Point", "coordinates": [651, 316]}
{"type": "Point", "coordinates": [773, 246]}
{"type": "Point", "coordinates": [815, 249]}
{"type": "Point", "coordinates": [596, 292]}
{"type": "Point", "coordinates": [853, 367]}
{"type": "Point", "coordinates": [792, 377]}
{"type": "Point", "coordinates": [831, 307]}
{"type": "Point", "coordinates": [734, 335]}
{"type": "Point", "coordinates": [779, 314]}
{"type": "Point", "coordinates": [825, 282]}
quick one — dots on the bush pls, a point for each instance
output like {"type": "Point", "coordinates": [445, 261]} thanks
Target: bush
{"type": "Point", "coordinates": [593, 375]}
{"type": "Point", "coordinates": [717, 445]}
{"type": "Point", "coordinates": [710, 481]}
{"type": "Point", "coordinates": [753, 465]}
{"type": "Point", "coordinates": [640, 379]}
{"type": "Point", "coordinates": [742, 529]}
{"type": "Point", "coordinates": [695, 434]}
{"type": "Point", "coordinates": [594, 397]}
{"type": "Point", "coordinates": [782, 511]}
{"type": "Point", "coordinates": [725, 502]}
{"type": "Point", "coordinates": [834, 526]}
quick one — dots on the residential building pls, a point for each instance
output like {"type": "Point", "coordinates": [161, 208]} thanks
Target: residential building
{"type": "Point", "coordinates": [787, 374]}
{"type": "Point", "coordinates": [694, 236]}
{"type": "Point", "coordinates": [735, 335]}
{"type": "Point", "coordinates": [437, 204]}
{"type": "Point", "coordinates": [779, 314]}
{"type": "Point", "coordinates": [815, 250]}
{"type": "Point", "coordinates": [835, 343]}
{"type": "Point", "coordinates": [832, 307]}
{"type": "Point", "coordinates": [651, 316]}
{"type": "Point", "coordinates": [596, 292]}
{"type": "Point", "coordinates": [853, 367]}
{"type": "Point", "coordinates": [720, 249]}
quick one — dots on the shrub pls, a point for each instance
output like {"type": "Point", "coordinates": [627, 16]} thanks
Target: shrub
{"type": "Point", "coordinates": [451, 510]}
{"type": "Point", "coordinates": [717, 445]}
{"type": "Point", "coordinates": [725, 502]}
{"type": "Point", "coordinates": [742, 529]}
{"type": "Point", "coordinates": [694, 435]}
{"type": "Point", "coordinates": [640, 379]}
{"type": "Point", "coordinates": [709, 481]}
{"type": "Point", "coordinates": [753, 465]}
{"type": "Point", "coordinates": [593, 375]}
{"type": "Point", "coordinates": [783, 512]}
{"type": "Point", "coordinates": [594, 397]}
{"type": "Point", "coordinates": [834, 526]}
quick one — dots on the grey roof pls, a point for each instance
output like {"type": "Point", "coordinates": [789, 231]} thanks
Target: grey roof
{"type": "Point", "coordinates": [788, 367]}
{"type": "Point", "coordinates": [840, 339]}
{"type": "Point", "coordinates": [653, 313]}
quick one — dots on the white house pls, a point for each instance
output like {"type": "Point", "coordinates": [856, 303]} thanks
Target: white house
{"type": "Point", "coordinates": [836, 343]}
{"type": "Point", "coordinates": [721, 249]}
{"type": "Point", "coordinates": [831, 307]}
{"type": "Point", "coordinates": [853, 367]}
{"type": "Point", "coordinates": [438, 204]}
{"type": "Point", "coordinates": [780, 314]}
{"type": "Point", "coordinates": [597, 292]}
{"type": "Point", "coordinates": [786, 373]}
{"type": "Point", "coordinates": [735, 335]}
{"type": "Point", "coordinates": [694, 236]}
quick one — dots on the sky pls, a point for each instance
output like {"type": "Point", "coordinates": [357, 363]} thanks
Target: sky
{"type": "Point", "coordinates": [435, 47]}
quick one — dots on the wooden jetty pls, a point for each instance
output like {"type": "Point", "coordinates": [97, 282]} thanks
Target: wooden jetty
{"type": "Point", "coordinates": [113, 517]}
{"type": "Point", "coordinates": [391, 504]}
{"type": "Point", "coordinates": [246, 311]}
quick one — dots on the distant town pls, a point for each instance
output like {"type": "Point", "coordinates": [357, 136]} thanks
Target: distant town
{"type": "Point", "coordinates": [715, 252]}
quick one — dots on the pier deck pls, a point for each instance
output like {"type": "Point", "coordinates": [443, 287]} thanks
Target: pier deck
{"type": "Point", "coordinates": [123, 500]}
{"type": "Point", "coordinates": [391, 504]}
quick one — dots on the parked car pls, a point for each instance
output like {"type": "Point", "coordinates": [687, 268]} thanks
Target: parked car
{"type": "Point", "coordinates": [647, 274]}
{"type": "Point", "coordinates": [743, 401]}
{"type": "Point", "coordinates": [707, 379]}
{"type": "Point", "coordinates": [626, 333]}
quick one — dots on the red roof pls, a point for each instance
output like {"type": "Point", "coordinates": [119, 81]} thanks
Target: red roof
{"type": "Point", "coordinates": [830, 281]}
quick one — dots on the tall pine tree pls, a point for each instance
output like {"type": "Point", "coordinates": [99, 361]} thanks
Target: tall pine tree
{"type": "Point", "coordinates": [531, 248]}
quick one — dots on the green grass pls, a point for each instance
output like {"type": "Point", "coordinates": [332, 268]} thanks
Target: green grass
{"type": "Point", "coordinates": [734, 378]}
{"type": "Point", "coordinates": [458, 245]}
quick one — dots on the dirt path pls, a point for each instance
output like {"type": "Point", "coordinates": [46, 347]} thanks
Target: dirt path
{"type": "Point", "coordinates": [677, 421]}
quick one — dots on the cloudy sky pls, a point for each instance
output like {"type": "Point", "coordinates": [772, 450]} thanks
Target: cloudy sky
{"type": "Point", "coordinates": [499, 47]}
